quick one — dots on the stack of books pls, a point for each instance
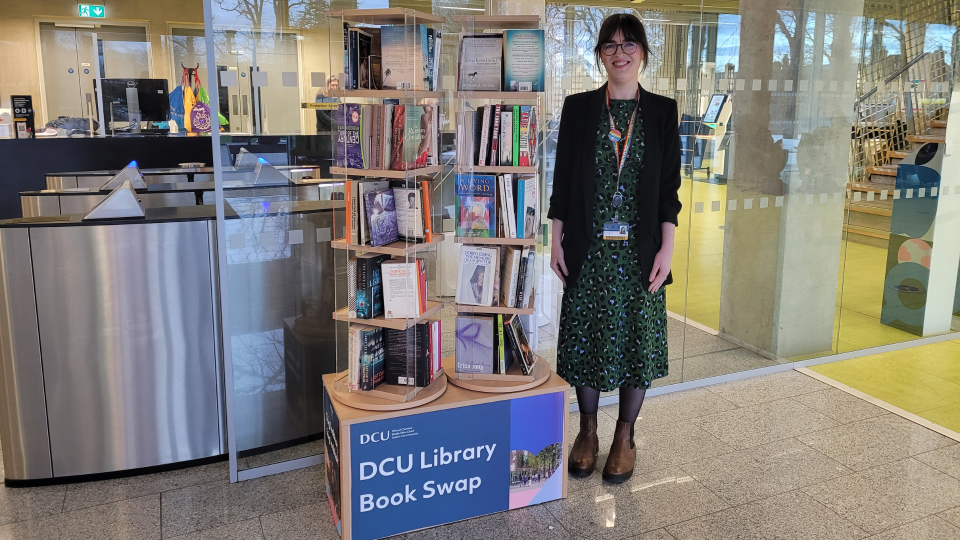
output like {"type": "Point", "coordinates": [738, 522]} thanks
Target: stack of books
{"type": "Point", "coordinates": [496, 276]}
{"type": "Point", "coordinates": [481, 198]}
{"type": "Point", "coordinates": [381, 212]}
{"type": "Point", "coordinates": [394, 57]}
{"type": "Point", "coordinates": [490, 344]}
{"type": "Point", "coordinates": [512, 61]}
{"type": "Point", "coordinates": [497, 135]}
{"type": "Point", "coordinates": [408, 357]}
{"type": "Point", "coordinates": [387, 136]}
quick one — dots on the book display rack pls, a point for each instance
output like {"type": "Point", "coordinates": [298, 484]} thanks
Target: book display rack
{"type": "Point", "coordinates": [498, 188]}
{"type": "Point", "coordinates": [387, 154]}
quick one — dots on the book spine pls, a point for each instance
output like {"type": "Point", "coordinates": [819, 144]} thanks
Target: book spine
{"type": "Point", "coordinates": [521, 186]}
{"type": "Point", "coordinates": [505, 144]}
{"type": "Point", "coordinates": [351, 216]}
{"type": "Point", "coordinates": [500, 348]}
{"type": "Point", "coordinates": [377, 147]}
{"type": "Point", "coordinates": [484, 135]}
{"type": "Point", "coordinates": [354, 53]}
{"type": "Point", "coordinates": [476, 126]}
{"type": "Point", "coordinates": [514, 277]}
{"type": "Point", "coordinates": [427, 212]}
{"type": "Point", "coordinates": [494, 148]}
{"type": "Point", "coordinates": [528, 285]}
{"type": "Point", "coordinates": [364, 302]}
{"type": "Point", "coordinates": [396, 153]}
{"type": "Point", "coordinates": [521, 277]}
{"type": "Point", "coordinates": [422, 287]}
{"type": "Point", "coordinates": [365, 363]}
{"type": "Point", "coordinates": [346, 56]}
{"type": "Point", "coordinates": [516, 134]}
{"type": "Point", "coordinates": [524, 136]}
{"type": "Point", "coordinates": [352, 287]}
{"type": "Point", "coordinates": [511, 206]}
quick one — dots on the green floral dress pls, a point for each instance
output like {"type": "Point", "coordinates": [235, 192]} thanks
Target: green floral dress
{"type": "Point", "coordinates": [613, 332]}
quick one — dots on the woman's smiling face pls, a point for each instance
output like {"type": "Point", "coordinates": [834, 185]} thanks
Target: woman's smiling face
{"type": "Point", "coordinates": [622, 66]}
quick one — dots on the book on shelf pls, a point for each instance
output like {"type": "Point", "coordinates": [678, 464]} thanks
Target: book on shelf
{"type": "Point", "coordinates": [503, 361]}
{"type": "Point", "coordinates": [346, 56]}
{"type": "Point", "coordinates": [396, 135]}
{"type": "Point", "coordinates": [410, 354]}
{"type": "Point", "coordinates": [464, 137]}
{"type": "Point", "coordinates": [376, 72]}
{"type": "Point", "coordinates": [475, 196]}
{"type": "Point", "coordinates": [495, 134]}
{"type": "Point", "coordinates": [404, 288]}
{"type": "Point", "coordinates": [529, 207]}
{"type": "Point", "coordinates": [426, 210]}
{"type": "Point", "coordinates": [381, 217]}
{"type": "Point", "coordinates": [506, 136]}
{"type": "Point", "coordinates": [516, 342]}
{"type": "Point", "coordinates": [475, 345]}
{"type": "Point", "coordinates": [409, 205]}
{"type": "Point", "coordinates": [361, 208]}
{"type": "Point", "coordinates": [369, 285]}
{"type": "Point", "coordinates": [405, 56]}
{"type": "Point", "coordinates": [386, 126]}
{"type": "Point", "coordinates": [515, 136]}
{"type": "Point", "coordinates": [523, 138]}
{"type": "Point", "coordinates": [527, 290]}
{"type": "Point", "coordinates": [486, 118]}
{"type": "Point", "coordinates": [480, 62]}
{"type": "Point", "coordinates": [436, 351]}
{"type": "Point", "coordinates": [352, 287]}
{"type": "Point", "coordinates": [366, 357]}
{"type": "Point", "coordinates": [366, 136]}
{"type": "Point", "coordinates": [522, 277]}
{"type": "Point", "coordinates": [532, 138]}
{"type": "Point", "coordinates": [349, 151]}
{"type": "Point", "coordinates": [476, 270]}
{"type": "Point", "coordinates": [510, 276]}
{"type": "Point", "coordinates": [361, 43]}
{"type": "Point", "coordinates": [519, 208]}
{"type": "Point", "coordinates": [524, 60]}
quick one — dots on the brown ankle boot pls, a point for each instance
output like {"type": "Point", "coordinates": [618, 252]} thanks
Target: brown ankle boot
{"type": "Point", "coordinates": [623, 455]}
{"type": "Point", "coordinates": [583, 455]}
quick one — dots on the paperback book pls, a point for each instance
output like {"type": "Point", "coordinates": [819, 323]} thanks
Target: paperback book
{"type": "Point", "coordinates": [369, 285]}
{"type": "Point", "coordinates": [409, 212]}
{"type": "Point", "coordinates": [476, 272]}
{"type": "Point", "coordinates": [403, 295]}
{"type": "Point", "coordinates": [404, 53]}
{"type": "Point", "coordinates": [409, 356]}
{"type": "Point", "coordinates": [381, 217]}
{"type": "Point", "coordinates": [474, 350]}
{"type": "Point", "coordinates": [524, 60]}
{"type": "Point", "coordinates": [480, 62]}
{"type": "Point", "coordinates": [371, 358]}
{"type": "Point", "coordinates": [475, 205]}
{"type": "Point", "coordinates": [349, 152]}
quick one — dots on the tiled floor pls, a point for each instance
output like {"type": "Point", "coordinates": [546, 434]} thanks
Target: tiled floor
{"type": "Point", "coordinates": [777, 457]}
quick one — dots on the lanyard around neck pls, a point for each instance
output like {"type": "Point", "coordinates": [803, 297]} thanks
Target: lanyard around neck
{"type": "Point", "coordinates": [615, 137]}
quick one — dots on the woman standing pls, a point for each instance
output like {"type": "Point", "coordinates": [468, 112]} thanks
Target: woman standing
{"type": "Point", "coordinates": [614, 209]}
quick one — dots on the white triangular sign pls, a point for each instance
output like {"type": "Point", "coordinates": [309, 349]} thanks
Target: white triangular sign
{"type": "Point", "coordinates": [121, 203]}
{"type": "Point", "coordinates": [130, 173]}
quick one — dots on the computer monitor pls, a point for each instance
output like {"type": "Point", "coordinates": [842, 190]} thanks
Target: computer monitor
{"type": "Point", "coordinates": [149, 95]}
{"type": "Point", "coordinates": [714, 108]}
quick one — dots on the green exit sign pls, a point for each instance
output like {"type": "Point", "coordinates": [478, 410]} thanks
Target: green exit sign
{"type": "Point", "coordinates": [97, 12]}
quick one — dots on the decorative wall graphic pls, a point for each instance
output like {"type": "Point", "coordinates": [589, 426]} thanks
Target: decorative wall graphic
{"type": "Point", "coordinates": [911, 232]}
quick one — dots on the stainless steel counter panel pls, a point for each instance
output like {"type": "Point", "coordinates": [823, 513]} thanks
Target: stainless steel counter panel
{"type": "Point", "coordinates": [130, 365]}
{"type": "Point", "coordinates": [39, 205]}
{"type": "Point", "coordinates": [23, 426]}
{"type": "Point", "coordinates": [61, 182]}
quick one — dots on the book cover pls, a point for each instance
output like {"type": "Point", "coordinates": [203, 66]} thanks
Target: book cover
{"type": "Point", "coordinates": [436, 330]}
{"type": "Point", "coordinates": [428, 133]}
{"type": "Point", "coordinates": [480, 62]}
{"type": "Point", "coordinates": [515, 137]}
{"type": "Point", "coordinates": [352, 287]}
{"type": "Point", "coordinates": [396, 139]}
{"type": "Point", "coordinates": [532, 135]}
{"type": "Point", "coordinates": [348, 152]}
{"type": "Point", "coordinates": [474, 350]}
{"type": "Point", "coordinates": [511, 215]}
{"type": "Point", "coordinates": [427, 210]}
{"type": "Point", "coordinates": [415, 146]}
{"type": "Point", "coordinates": [409, 212]}
{"type": "Point", "coordinates": [422, 291]}
{"type": "Point", "coordinates": [531, 207]}
{"type": "Point", "coordinates": [352, 198]}
{"type": "Point", "coordinates": [477, 135]}
{"type": "Point", "coordinates": [369, 285]}
{"type": "Point", "coordinates": [401, 289]}
{"type": "Point", "coordinates": [522, 277]}
{"type": "Point", "coordinates": [510, 272]}
{"type": "Point", "coordinates": [371, 358]}
{"type": "Point", "coordinates": [408, 355]}
{"type": "Point", "coordinates": [524, 150]}
{"type": "Point", "coordinates": [362, 189]}
{"type": "Point", "coordinates": [506, 136]}
{"type": "Point", "coordinates": [501, 347]}
{"type": "Point", "coordinates": [346, 55]}
{"type": "Point", "coordinates": [475, 197]}
{"type": "Point", "coordinates": [502, 229]}
{"type": "Point", "coordinates": [353, 357]}
{"type": "Point", "coordinates": [366, 135]}
{"type": "Point", "coordinates": [476, 271]}
{"type": "Point", "coordinates": [360, 50]}
{"type": "Point", "coordinates": [403, 48]}
{"type": "Point", "coordinates": [521, 193]}
{"type": "Point", "coordinates": [431, 58]}
{"type": "Point", "coordinates": [381, 217]}
{"type": "Point", "coordinates": [438, 48]}
{"type": "Point", "coordinates": [514, 349]}
{"type": "Point", "coordinates": [528, 282]}
{"type": "Point", "coordinates": [496, 278]}
{"type": "Point", "coordinates": [495, 132]}
{"type": "Point", "coordinates": [485, 113]}
{"type": "Point", "coordinates": [376, 139]}
{"type": "Point", "coordinates": [523, 60]}
{"type": "Point", "coordinates": [521, 335]}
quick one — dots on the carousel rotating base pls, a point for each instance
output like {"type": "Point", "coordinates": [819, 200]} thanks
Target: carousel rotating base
{"type": "Point", "coordinates": [499, 384]}
{"type": "Point", "coordinates": [369, 401]}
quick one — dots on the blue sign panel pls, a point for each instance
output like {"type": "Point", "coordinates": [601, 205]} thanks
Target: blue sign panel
{"type": "Point", "coordinates": [433, 468]}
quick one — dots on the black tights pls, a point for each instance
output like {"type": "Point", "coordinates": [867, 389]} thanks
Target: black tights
{"type": "Point", "coordinates": [631, 399]}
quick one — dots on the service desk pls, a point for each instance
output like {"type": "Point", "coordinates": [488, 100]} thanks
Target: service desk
{"type": "Point", "coordinates": [464, 455]}
{"type": "Point", "coordinates": [110, 338]}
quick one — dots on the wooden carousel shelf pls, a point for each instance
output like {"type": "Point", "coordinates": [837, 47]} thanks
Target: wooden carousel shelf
{"type": "Point", "coordinates": [496, 241]}
{"type": "Point", "coordinates": [477, 23]}
{"type": "Point", "coordinates": [465, 309]}
{"type": "Point", "coordinates": [512, 381]}
{"type": "Point", "coordinates": [383, 173]}
{"type": "Point", "coordinates": [485, 94]}
{"type": "Point", "coordinates": [399, 248]}
{"type": "Point", "coordinates": [387, 16]}
{"type": "Point", "coordinates": [390, 94]}
{"type": "Point", "coordinates": [388, 397]}
{"type": "Point", "coordinates": [397, 324]}
{"type": "Point", "coordinates": [494, 169]}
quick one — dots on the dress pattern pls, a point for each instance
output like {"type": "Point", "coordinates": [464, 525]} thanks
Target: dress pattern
{"type": "Point", "coordinates": [613, 332]}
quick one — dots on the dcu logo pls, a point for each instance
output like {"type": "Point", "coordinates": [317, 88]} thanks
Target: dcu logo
{"type": "Point", "coordinates": [375, 437]}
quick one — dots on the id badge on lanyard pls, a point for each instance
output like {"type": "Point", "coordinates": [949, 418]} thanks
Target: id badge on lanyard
{"type": "Point", "coordinates": [616, 229]}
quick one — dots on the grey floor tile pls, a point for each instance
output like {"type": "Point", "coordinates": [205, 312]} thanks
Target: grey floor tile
{"type": "Point", "coordinates": [312, 522]}
{"type": "Point", "coordinates": [130, 519]}
{"type": "Point", "coordinates": [659, 534]}
{"type": "Point", "coordinates": [722, 363]}
{"type": "Point", "coordinates": [946, 459]}
{"type": "Point", "coordinates": [931, 528]}
{"type": "Point", "coordinates": [790, 516]}
{"type": "Point", "coordinates": [664, 446]}
{"type": "Point", "coordinates": [206, 506]}
{"type": "Point", "coordinates": [679, 406]}
{"type": "Point", "coordinates": [875, 441]}
{"type": "Point", "coordinates": [20, 504]}
{"type": "Point", "coordinates": [107, 491]}
{"type": "Point", "coordinates": [312, 448]}
{"type": "Point", "coordinates": [605, 425]}
{"type": "Point", "coordinates": [520, 524]}
{"type": "Point", "coordinates": [952, 516]}
{"type": "Point", "coordinates": [768, 388]}
{"type": "Point", "coordinates": [889, 495]}
{"type": "Point", "coordinates": [645, 503]}
{"type": "Point", "coordinates": [763, 423]}
{"type": "Point", "coordinates": [840, 406]}
{"type": "Point", "coordinates": [696, 342]}
{"type": "Point", "coordinates": [241, 530]}
{"type": "Point", "coordinates": [763, 471]}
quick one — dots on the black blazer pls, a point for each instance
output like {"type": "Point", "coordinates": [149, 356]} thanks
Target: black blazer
{"type": "Point", "coordinates": [574, 177]}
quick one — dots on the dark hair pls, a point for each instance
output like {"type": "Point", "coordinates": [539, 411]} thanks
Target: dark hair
{"type": "Point", "coordinates": [631, 28]}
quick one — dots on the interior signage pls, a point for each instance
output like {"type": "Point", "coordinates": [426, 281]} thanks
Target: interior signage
{"type": "Point", "coordinates": [23, 116]}
{"type": "Point", "coordinates": [95, 12]}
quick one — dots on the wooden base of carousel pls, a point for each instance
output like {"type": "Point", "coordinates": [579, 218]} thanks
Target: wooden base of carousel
{"type": "Point", "coordinates": [388, 397]}
{"type": "Point", "coordinates": [512, 381]}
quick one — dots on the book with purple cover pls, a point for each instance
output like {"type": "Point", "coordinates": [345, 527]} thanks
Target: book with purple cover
{"type": "Point", "coordinates": [348, 152]}
{"type": "Point", "coordinates": [381, 217]}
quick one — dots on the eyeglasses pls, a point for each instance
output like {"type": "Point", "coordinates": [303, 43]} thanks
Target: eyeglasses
{"type": "Point", "coordinates": [610, 49]}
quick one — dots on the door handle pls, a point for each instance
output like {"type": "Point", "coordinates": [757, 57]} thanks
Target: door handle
{"type": "Point", "coordinates": [245, 108]}
{"type": "Point", "coordinates": [236, 106]}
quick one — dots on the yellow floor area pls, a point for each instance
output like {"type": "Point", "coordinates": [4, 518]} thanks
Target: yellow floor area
{"type": "Point", "coordinates": [698, 260]}
{"type": "Point", "coordinates": [923, 380]}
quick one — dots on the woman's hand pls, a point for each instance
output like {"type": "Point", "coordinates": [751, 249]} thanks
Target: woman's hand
{"type": "Point", "coordinates": [661, 263]}
{"type": "Point", "coordinates": [557, 263]}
